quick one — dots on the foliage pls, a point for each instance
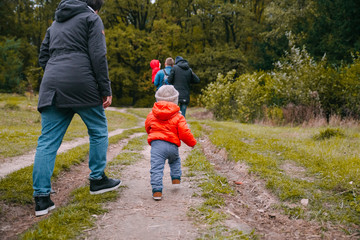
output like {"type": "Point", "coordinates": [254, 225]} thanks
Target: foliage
{"type": "Point", "coordinates": [240, 98]}
{"type": "Point", "coordinates": [328, 133]}
{"type": "Point", "coordinates": [10, 65]}
{"type": "Point", "coordinates": [298, 90]}
{"type": "Point", "coordinates": [215, 36]}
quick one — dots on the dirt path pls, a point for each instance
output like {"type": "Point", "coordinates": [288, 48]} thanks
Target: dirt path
{"type": "Point", "coordinates": [137, 216]}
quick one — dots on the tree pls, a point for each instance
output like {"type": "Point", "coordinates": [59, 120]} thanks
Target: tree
{"type": "Point", "coordinates": [10, 65]}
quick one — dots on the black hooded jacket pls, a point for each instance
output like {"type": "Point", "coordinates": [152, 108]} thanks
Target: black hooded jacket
{"type": "Point", "coordinates": [182, 76]}
{"type": "Point", "coordinates": [73, 55]}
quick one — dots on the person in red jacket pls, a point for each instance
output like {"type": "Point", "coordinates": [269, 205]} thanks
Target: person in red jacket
{"type": "Point", "coordinates": [166, 128]}
{"type": "Point", "coordinates": [155, 66]}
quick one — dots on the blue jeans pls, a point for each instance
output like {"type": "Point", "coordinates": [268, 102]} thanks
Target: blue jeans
{"type": "Point", "coordinates": [183, 107]}
{"type": "Point", "coordinates": [54, 123]}
{"type": "Point", "coordinates": [160, 151]}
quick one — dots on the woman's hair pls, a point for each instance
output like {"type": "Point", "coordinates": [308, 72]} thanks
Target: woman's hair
{"type": "Point", "coordinates": [95, 4]}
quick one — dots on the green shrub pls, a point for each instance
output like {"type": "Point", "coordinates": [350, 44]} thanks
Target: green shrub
{"type": "Point", "coordinates": [274, 115]}
{"type": "Point", "coordinates": [328, 133]}
{"type": "Point", "coordinates": [297, 90]}
{"type": "Point", "coordinates": [11, 106]}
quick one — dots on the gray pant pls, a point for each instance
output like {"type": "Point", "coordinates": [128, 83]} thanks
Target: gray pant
{"type": "Point", "coordinates": [160, 151]}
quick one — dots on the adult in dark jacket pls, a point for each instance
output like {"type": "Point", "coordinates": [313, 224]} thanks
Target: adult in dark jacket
{"type": "Point", "coordinates": [182, 76]}
{"type": "Point", "coordinates": [73, 56]}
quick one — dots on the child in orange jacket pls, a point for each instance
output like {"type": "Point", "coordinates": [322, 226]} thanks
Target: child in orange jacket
{"type": "Point", "coordinates": [166, 127]}
{"type": "Point", "coordinates": [155, 66]}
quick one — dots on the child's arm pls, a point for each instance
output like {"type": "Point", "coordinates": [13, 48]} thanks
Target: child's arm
{"type": "Point", "coordinates": [147, 124]}
{"type": "Point", "coordinates": [185, 134]}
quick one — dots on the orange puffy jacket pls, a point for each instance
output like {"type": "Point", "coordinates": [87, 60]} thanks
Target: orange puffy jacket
{"type": "Point", "coordinates": [166, 123]}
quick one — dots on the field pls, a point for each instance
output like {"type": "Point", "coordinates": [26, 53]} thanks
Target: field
{"type": "Point", "coordinates": [308, 178]}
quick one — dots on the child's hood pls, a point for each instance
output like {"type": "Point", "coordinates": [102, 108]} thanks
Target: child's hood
{"type": "Point", "coordinates": [154, 63]}
{"type": "Point", "coordinates": [163, 110]}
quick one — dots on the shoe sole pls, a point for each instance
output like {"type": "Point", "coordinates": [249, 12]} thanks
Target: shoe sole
{"type": "Point", "coordinates": [157, 198]}
{"type": "Point", "coordinates": [105, 190]}
{"type": "Point", "coordinates": [44, 212]}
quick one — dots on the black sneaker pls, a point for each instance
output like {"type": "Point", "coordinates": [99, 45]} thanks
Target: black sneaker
{"type": "Point", "coordinates": [43, 205]}
{"type": "Point", "coordinates": [103, 185]}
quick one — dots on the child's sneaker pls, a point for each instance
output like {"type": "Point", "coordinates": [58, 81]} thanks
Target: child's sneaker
{"type": "Point", "coordinates": [176, 181]}
{"type": "Point", "coordinates": [157, 196]}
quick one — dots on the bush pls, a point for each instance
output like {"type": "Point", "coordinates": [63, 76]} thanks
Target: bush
{"type": "Point", "coordinates": [298, 90]}
{"type": "Point", "coordinates": [328, 133]}
{"type": "Point", "coordinates": [11, 106]}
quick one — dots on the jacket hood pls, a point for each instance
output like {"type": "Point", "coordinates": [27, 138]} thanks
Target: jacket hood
{"type": "Point", "coordinates": [163, 110]}
{"type": "Point", "coordinates": [155, 64]}
{"type": "Point", "coordinates": [183, 64]}
{"type": "Point", "coordinates": [177, 59]}
{"type": "Point", "coordinates": [69, 8]}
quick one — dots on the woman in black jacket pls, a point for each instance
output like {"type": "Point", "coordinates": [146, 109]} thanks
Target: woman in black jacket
{"type": "Point", "coordinates": [73, 56]}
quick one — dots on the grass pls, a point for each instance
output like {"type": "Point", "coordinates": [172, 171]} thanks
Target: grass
{"type": "Point", "coordinates": [125, 134]}
{"type": "Point", "coordinates": [70, 221]}
{"type": "Point", "coordinates": [17, 186]}
{"type": "Point", "coordinates": [213, 189]}
{"type": "Point", "coordinates": [136, 144]}
{"type": "Point", "coordinates": [125, 158]}
{"type": "Point", "coordinates": [20, 125]}
{"type": "Point", "coordinates": [328, 133]}
{"type": "Point", "coordinates": [141, 112]}
{"type": "Point", "coordinates": [330, 177]}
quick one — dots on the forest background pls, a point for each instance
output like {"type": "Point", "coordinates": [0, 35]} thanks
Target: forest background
{"type": "Point", "coordinates": [283, 61]}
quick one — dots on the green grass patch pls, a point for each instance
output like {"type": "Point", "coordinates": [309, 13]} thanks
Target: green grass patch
{"type": "Point", "coordinates": [221, 232]}
{"type": "Point", "coordinates": [329, 175]}
{"type": "Point", "coordinates": [141, 112]}
{"type": "Point", "coordinates": [120, 120]}
{"type": "Point", "coordinates": [126, 158]}
{"type": "Point", "coordinates": [136, 144]}
{"type": "Point", "coordinates": [293, 212]}
{"type": "Point", "coordinates": [196, 128]}
{"type": "Point", "coordinates": [213, 189]}
{"type": "Point", "coordinates": [68, 222]}
{"type": "Point", "coordinates": [206, 214]}
{"type": "Point", "coordinates": [20, 124]}
{"type": "Point", "coordinates": [328, 133]}
{"type": "Point", "coordinates": [125, 134]}
{"type": "Point", "coordinates": [17, 186]}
